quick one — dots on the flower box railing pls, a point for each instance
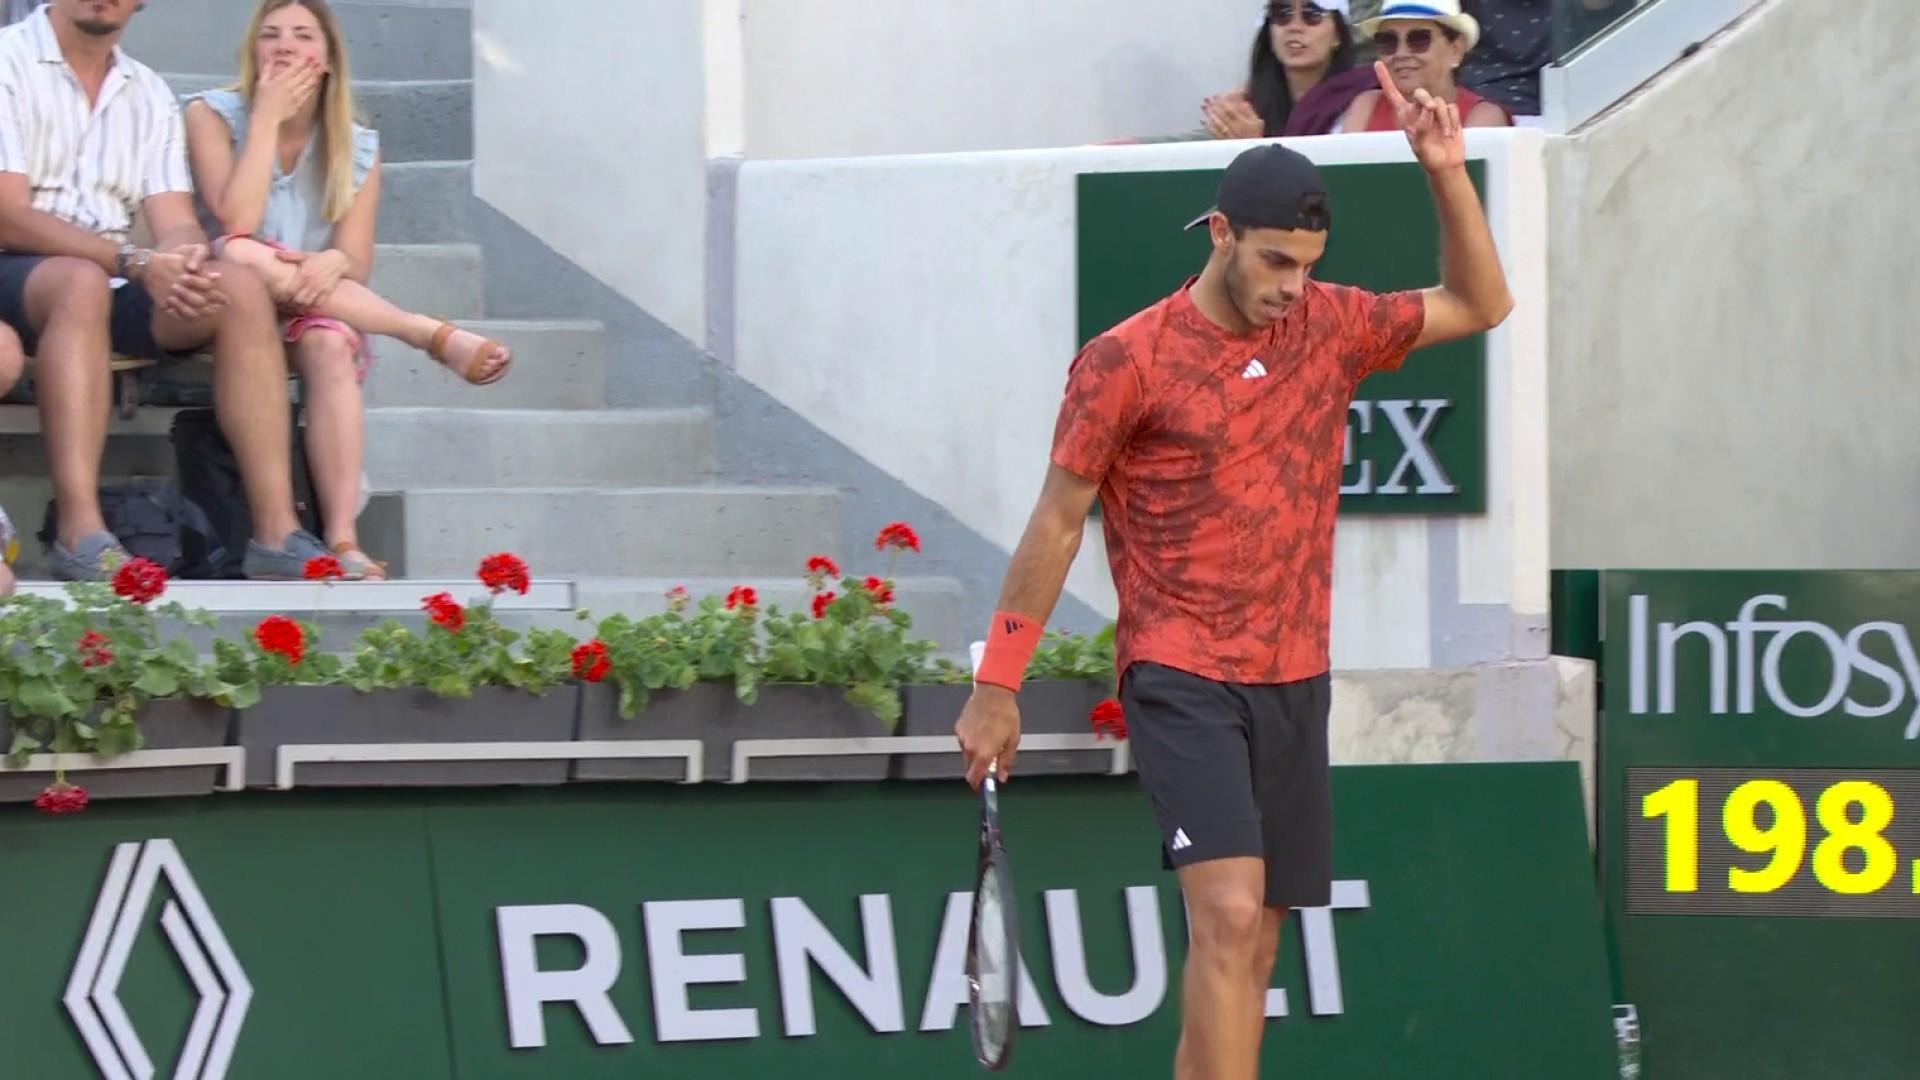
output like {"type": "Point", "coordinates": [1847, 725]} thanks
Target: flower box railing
{"type": "Point", "coordinates": [700, 692]}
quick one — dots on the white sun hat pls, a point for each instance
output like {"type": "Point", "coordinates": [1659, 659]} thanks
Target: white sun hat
{"type": "Point", "coordinates": [1445, 12]}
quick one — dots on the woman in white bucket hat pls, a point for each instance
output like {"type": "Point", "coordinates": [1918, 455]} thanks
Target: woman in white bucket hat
{"type": "Point", "coordinates": [1423, 43]}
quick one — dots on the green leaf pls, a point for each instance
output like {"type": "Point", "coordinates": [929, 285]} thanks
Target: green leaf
{"type": "Point", "coordinates": [239, 695]}
{"type": "Point", "coordinates": [157, 681]}
{"type": "Point", "coordinates": [41, 696]}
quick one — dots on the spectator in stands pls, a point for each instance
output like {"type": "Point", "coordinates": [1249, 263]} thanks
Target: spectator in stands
{"type": "Point", "coordinates": [1516, 41]}
{"type": "Point", "coordinates": [87, 137]}
{"type": "Point", "coordinates": [1423, 43]}
{"type": "Point", "coordinates": [291, 185]}
{"type": "Point", "coordinates": [1299, 46]}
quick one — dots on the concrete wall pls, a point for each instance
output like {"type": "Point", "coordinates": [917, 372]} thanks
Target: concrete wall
{"type": "Point", "coordinates": [1734, 259]}
{"type": "Point", "coordinates": [920, 311]}
{"type": "Point", "coordinates": [842, 78]}
{"type": "Point", "coordinates": [591, 133]}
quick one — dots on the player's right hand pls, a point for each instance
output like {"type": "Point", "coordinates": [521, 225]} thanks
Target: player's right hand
{"type": "Point", "coordinates": [989, 732]}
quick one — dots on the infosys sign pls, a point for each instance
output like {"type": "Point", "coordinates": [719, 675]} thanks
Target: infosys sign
{"type": "Point", "coordinates": [1742, 665]}
{"type": "Point", "coordinates": [765, 930]}
{"type": "Point", "coordinates": [1764, 652]}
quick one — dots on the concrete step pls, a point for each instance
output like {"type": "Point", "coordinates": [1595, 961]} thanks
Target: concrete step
{"type": "Point", "coordinates": [421, 448]}
{"type": "Point", "coordinates": [386, 40]}
{"type": "Point", "coordinates": [936, 605]}
{"type": "Point", "coordinates": [426, 202]}
{"type": "Point", "coordinates": [436, 279]}
{"type": "Point", "coordinates": [418, 119]}
{"type": "Point", "coordinates": [569, 532]}
{"type": "Point", "coordinates": [557, 364]}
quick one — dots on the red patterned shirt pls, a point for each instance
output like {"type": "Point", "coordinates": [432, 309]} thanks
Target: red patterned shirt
{"type": "Point", "coordinates": [1219, 458]}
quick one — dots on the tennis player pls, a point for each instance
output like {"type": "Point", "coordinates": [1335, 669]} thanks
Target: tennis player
{"type": "Point", "coordinates": [1211, 427]}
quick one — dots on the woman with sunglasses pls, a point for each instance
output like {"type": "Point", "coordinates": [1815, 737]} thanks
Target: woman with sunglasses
{"type": "Point", "coordinates": [1300, 45]}
{"type": "Point", "coordinates": [1423, 43]}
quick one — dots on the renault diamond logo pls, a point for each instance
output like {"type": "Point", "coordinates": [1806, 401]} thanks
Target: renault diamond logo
{"type": "Point", "coordinates": [93, 992]}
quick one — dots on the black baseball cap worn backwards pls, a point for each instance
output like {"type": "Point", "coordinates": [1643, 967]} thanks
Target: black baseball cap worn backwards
{"type": "Point", "coordinates": [1272, 187]}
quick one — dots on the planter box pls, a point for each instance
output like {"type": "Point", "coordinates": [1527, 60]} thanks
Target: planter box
{"type": "Point", "coordinates": [1055, 707]}
{"type": "Point", "coordinates": [712, 714]}
{"type": "Point", "coordinates": [296, 715]}
{"type": "Point", "coordinates": [169, 724]}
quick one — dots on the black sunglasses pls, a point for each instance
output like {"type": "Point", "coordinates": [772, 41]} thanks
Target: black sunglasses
{"type": "Point", "coordinates": [1418, 41]}
{"type": "Point", "coordinates": [1282, 14]}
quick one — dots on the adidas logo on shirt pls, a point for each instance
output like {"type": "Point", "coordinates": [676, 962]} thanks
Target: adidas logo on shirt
{"type": "Point", "coordinates": [1254, 369]}
{"type": "Point", "coordinates": [1180, 841]}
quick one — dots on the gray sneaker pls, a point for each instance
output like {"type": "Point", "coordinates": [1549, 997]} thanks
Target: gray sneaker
{"type": "Point", "coordinates": [88, 561]}
{"type": "Point", "coordinates": [287, 564]}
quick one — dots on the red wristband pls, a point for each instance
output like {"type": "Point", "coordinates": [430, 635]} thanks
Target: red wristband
{"type": "Point", "coordinates": [1010, 644]}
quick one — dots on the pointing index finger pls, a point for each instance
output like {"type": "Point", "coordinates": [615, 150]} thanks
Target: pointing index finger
{"type": "Point", "coordinates": [1394, 97]}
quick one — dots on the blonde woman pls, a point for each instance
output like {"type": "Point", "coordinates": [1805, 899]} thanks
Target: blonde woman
{"type": "Point", "coordinates": [290, 183]}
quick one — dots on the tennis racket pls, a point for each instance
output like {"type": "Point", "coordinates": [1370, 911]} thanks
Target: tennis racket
{"type": "Point", "coordinates": [993, 950]}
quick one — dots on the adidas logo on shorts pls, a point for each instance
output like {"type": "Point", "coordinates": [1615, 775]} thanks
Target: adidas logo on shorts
{"type": "Point", "coordinates": [1180, 841]}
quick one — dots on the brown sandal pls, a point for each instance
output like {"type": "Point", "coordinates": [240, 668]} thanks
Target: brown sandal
{"type": "Point", "coordinates": [437, 348]}
{"type": "Point", "coordinates": [357, 564]}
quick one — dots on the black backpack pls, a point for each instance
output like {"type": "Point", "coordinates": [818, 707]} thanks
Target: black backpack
{"type": "Point", "coordinates": [153, 520]}
{"type": "Point", "coordinates": [210, 479]}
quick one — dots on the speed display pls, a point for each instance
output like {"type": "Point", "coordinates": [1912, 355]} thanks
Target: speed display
{"type": "Point", "coordinates": [1757, 841]}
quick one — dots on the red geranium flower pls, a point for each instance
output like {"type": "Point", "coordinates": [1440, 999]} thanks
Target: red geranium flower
{"type": "Point", "coordinates": [678, 598]}
{"type": "Point", "coordinates": [93, 650]}
{"type": "Point", "coordinates": [1109, 719]}
{"type": "Point", "coordinates": [141, 581]}
{"type": "Point", "coordinates": [61, 797]}
{"type": "Point", "coordinates": [590, 661]}
{"type": "Point", "coordinates": [821, 603]}
{"type": "Point", "coordinates": [822, 567]}
{"type": "Point", "coordinates": [443, 609]}
{"type": "Point", "coordinates": [504, 571]}
{"type": "Point", "coordinates": [882, 592]}
{"type": "Point", "coordinates": [742, 596]}
{"type": "Point", "coordinates": [323, 568]}
{"type": "Point", "coordinates": [279, 634]}
{"type": "Point", "coordinates": [897, 535]}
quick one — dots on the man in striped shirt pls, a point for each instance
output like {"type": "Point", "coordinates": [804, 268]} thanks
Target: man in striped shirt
{"type": "Point", "coordinates": [87, 137]}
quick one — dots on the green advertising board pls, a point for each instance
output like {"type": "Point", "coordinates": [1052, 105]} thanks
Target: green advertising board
{"type": "Point", "coordinates": [1761, 820]}
{"type": "Point", "coordinates": [1417, 436]}
{"type": "Point", "coordinates": [771, 930]}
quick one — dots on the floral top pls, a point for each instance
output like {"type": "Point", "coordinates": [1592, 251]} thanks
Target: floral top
{"type": "Point", "coordinates": [296, 203]}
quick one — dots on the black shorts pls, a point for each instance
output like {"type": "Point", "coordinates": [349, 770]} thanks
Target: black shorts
{"type": "Point", "coordinates": [1237, 770]}
{"type": "Point", "coordinates": [130, 324]}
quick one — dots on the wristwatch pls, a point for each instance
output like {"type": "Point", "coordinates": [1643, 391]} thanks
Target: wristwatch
{"type": "Point", "coordinates": [131, 262]}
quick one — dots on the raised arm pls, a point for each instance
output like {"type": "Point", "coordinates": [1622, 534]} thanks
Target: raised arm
{"type": "Point", "coordinates": [236, 187]}
{"type": "Point", "coordinates": [1472, 296]}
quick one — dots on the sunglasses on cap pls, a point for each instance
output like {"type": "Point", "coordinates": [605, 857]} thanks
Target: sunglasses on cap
{"type": "Point", "coordinates": [1282, 14]}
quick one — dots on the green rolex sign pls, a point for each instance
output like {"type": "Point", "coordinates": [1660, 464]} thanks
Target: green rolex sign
{"type": "Point", "coordinates": [771, 931]}
{"type": "Point", "coordinates": [1417, 437]}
